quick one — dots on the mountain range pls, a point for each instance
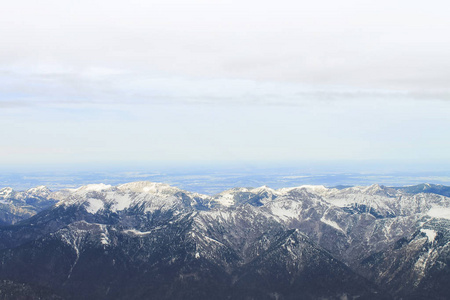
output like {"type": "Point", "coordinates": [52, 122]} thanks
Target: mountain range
{"type": "Point", "coordinates": [145, 240]}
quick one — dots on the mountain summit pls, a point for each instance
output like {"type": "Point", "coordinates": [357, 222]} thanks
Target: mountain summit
{"type": "Point", "coordinates": [145, 240]}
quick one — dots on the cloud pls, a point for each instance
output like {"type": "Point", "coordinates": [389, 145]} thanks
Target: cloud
{"type": "Point", "coordinates": [12, 104]}
{"type": "Point", "coordinates": [56, 86]}
{"type": "Point", "coordinates": [381, 44]}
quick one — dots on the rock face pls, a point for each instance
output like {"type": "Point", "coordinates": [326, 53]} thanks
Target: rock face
{"type": "Point", "coordinates": [146, 240]}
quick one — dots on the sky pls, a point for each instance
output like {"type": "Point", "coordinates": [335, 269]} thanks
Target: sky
{"type": "Point", "coordinates": [105, 82]}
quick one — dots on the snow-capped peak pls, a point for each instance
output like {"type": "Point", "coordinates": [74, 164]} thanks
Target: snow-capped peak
{"type": "Point", "coordinates": [148, 187]}
{"type": "Point", "coordinates": [263, 188]}
{"type": "Point", "coordinates": [374, 188]}
{"type": "Point", "coordinates": [42, 189]}
{"type": "Point", "coordinates": [368, 190]}
{"type": "Point", "coordinates": [314, 189]}
{"type": "Point", "coordinates": [94, 188]}
{"type": "Point", "coordinates": [5, 192]}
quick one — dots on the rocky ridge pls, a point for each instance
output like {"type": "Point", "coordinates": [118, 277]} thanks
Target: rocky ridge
{"type": "Point", "coordinates": [245, 243]}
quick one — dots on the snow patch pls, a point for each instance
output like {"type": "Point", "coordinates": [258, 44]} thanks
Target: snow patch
{"type": "Point", "coordinates": [104, 239]}
{"type": "Point", "coordinates": [94, 205]}
{"type": "Point", "coordinates": [5, 192]}
{"type": "Point", "coordinates": [119, 202]}
{"type": "Point", "coordinates": [340, 202]}
{"type": "Point", "coordinates": [225, 200]}
{"type": "Point", "coordinates": [431, 234]}
{"type": "Point", "coordinates": [439, 212]}
{"type": "Point", "coordinates": [284, 213]}
{"type": "Point", "coordinates": [136, 232]}
{"type": "Point", "coordinates": [332, 224]}
{"type": "Point", "coordinates": [216, 214]}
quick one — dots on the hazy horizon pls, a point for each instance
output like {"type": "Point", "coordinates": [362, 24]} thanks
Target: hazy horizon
{"type": "Point", "coordinates": [215, 178]}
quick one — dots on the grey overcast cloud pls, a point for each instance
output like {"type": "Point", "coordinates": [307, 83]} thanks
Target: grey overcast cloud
{"type": "Point", "coordinates": [143, 81]}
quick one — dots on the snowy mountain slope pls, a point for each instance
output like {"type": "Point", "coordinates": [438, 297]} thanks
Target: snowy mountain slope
{"type": "Point", "coordinates": [16, 206]}
{"type": "Point", "coordinates": [178, 260]}
{"type": "Point", "coordinates": [417, 265]}
{"type": "Point", "coordinates": [294, 266]}
{"type": "Point", "coordinates": [159, 240]}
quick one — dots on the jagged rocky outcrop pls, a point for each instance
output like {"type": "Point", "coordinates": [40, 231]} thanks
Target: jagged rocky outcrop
{"type": "Point", "coordinates": [146, 240]}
